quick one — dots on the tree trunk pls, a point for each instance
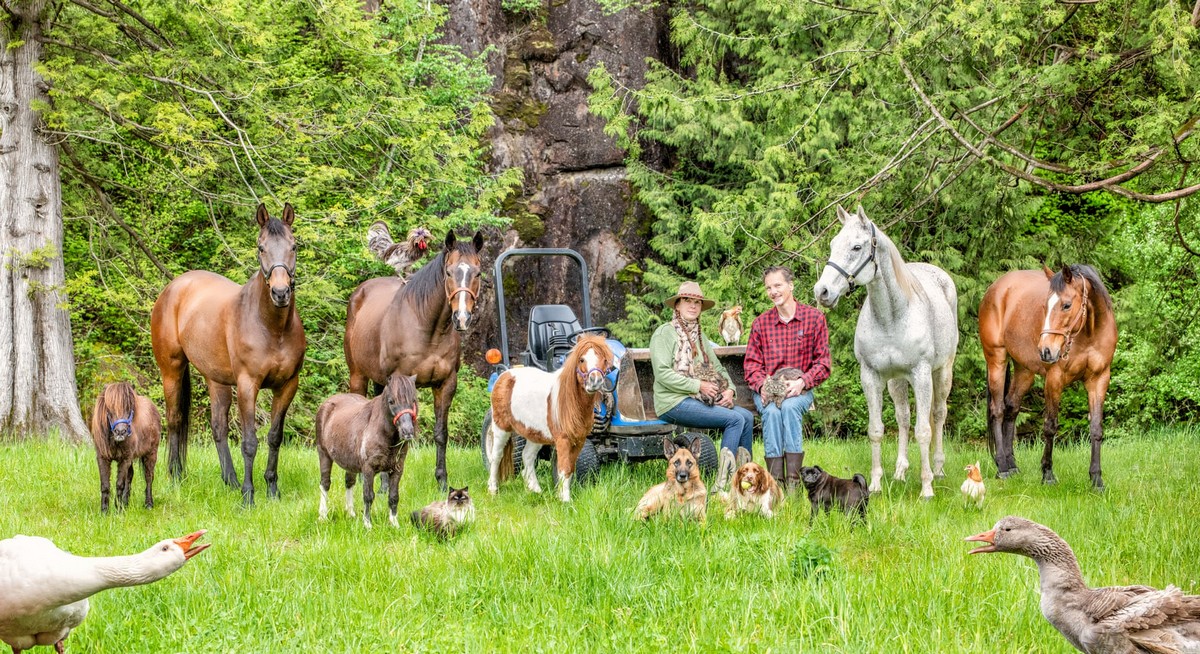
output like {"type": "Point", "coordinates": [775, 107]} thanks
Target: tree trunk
{"type": "Point", "coordinates": [37, 365]}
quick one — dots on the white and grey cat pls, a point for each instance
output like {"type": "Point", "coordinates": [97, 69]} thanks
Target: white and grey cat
{"type": "Point", "coordinates": [446, 517]}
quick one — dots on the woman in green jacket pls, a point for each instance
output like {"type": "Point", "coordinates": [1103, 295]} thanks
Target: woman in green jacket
{"type": "Point", "coordinates": [685, 368]}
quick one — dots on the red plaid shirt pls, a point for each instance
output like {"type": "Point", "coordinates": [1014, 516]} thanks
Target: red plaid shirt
{"type": "Point", "coordinates": [802, 342]}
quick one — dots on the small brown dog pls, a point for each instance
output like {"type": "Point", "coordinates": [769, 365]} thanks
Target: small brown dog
{"type": "Point", "coordinates": [825, 490]}
{"type": "Point", "coordinates": [683, 491]}
{"type": "Point", "coordinates": [754, 490]}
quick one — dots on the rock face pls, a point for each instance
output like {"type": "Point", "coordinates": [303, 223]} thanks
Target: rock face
{"type": "Point", "coordinates": [576, 194]}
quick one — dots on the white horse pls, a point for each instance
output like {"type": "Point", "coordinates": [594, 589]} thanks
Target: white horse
{"type": "Point", "coordinates": [907, 334]}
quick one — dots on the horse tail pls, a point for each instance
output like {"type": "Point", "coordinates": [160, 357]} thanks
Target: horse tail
{"type": "Point", "coordinates": [506, 461]}
{"type": "Point", "coordinates": [185, 413]}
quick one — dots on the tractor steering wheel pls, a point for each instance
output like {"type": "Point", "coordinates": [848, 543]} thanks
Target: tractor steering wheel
{"type": "Point", "coordinates": [574, 338]}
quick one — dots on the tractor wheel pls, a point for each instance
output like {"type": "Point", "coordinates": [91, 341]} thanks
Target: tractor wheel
{"type": "Point", "coordinates": [708, 453]}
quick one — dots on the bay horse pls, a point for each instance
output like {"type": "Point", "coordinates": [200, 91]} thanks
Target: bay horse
{"type": "Point", "coordinates": [125, 426]}
{"type": "Point", "coordinates": [547, 408]}
{"type": "Point", "coordinates": [1059, 326]}
{"type": "Point", "coordinates": [907, 334]}
{"type": "Point", "coordinates": [365, 437]}
{"type": "Point", "coordinates": [247, 337]}
{"type": "Point", "coordinates": [413, 327]}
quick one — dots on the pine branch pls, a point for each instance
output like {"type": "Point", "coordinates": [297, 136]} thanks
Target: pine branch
{"type": "Point", "coordinates": [1111, 184]}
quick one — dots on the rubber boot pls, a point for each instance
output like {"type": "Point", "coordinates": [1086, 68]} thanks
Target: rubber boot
{"type": "Point", "coordinates": [724, 472]}
{"type": "Point", "coordinates": [795, 461]}
{"type": "Point", "coordinates": [775, 467]}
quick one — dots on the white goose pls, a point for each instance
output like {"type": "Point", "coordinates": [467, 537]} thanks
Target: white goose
{"type": "Point", "coordinates": [1112, 620]}
{"type": "Point", "coordinates": [44, 590]}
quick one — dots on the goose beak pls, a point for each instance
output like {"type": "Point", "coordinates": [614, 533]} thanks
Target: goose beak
{"type": "Point", "coordinates": [185, 543]}
{"type": "Point", "coordinates": [985, 537]}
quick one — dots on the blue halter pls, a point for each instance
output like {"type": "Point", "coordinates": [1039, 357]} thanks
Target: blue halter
{"type": "Point", "coordinates": [112, 426]}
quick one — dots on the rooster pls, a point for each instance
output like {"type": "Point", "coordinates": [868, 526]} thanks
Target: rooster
{"type": "Point", "coordinates": [400, 256]}
{"type": "Point", "coordinates": [730, 325]}
{"type": "Point", "coordinates": [972, 488]}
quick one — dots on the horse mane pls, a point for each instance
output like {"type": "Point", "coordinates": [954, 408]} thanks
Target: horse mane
{"type": "Point", "coordinates": [115, 400]}
{"type": "Point", "coordinates": [572, 406]}
{"type": "Point", "coordinates": [907, 283]}
{"type": "Point", "coordinates": [1057, 283]}
{"type": "Point", "coordinates": [275, 227]}
{"type": "Point", "coordinates": [425, 285]}
{"type": "Point", "coordinates": [119, 400]}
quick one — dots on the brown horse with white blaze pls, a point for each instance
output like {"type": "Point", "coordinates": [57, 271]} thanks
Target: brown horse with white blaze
{"type": "Point", "coordinates": [547, 408]}
{"type": "Point", "coordinates": [247, 337]}
{"type": "Point", "coordinates": [1060, 326]}
{"type": "Point", "coordinates": [413, 327]}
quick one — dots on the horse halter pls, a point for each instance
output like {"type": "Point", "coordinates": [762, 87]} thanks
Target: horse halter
{"type": "Point", "coordinates": [127, 421]}
{"type": "Point", "coordinates": [1074, 328]}
{"type": "Point", "coordinates": [266, 272]}
{"type": "Point", "coordinates": [461, 289]}
{"type": "Point", "coordinates": [850, 276]}
{"type": "Point", "coordinates": [412, 411]}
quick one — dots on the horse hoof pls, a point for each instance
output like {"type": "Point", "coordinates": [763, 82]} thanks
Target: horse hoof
{"type": "Point", "coordinates": [1049, 480]}
{"type": "Point", "coordinates": [926, 498]}
{"type": "Point", "coordinates": [939, 475]}
{"type": "Point", "coordinates": [273, 492]}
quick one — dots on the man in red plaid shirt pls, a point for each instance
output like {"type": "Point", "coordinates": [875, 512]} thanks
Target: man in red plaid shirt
{"type": "Point", "coordinates": [788, 335]}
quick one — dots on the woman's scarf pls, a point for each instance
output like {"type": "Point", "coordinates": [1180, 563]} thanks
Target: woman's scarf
{"type": "Point", "coordinates": [689, 345]}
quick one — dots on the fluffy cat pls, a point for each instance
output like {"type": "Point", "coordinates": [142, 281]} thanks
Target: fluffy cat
{"type": "Point", "coordinates": [446, 517]}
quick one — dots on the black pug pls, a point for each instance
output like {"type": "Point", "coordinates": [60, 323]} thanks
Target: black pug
{"type": "Point", "coordinates": [824, 490]}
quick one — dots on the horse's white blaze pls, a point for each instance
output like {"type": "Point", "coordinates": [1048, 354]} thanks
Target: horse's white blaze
{"type": "Point", "coordinates": [464, 270]}
{"type": "Point", "coordinates": [530, 389]}
{"type": "Point", "coordinates": [1050, 304]}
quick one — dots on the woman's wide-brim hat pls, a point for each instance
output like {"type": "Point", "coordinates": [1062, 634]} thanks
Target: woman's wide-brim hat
{"type": "Point", "coordinates": [690, 290]}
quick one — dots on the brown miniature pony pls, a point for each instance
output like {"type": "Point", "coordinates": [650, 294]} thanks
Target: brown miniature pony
{"type": "Point", "coordinates": [125, 426]}
{"type": "Point", "coordinates": [1060, 326]}
{"type": "Point", "coordinates": [413, 329]}
{"type": "Point", "coordinates": [249, 337]}
{"type": "Point", "coordinates": [547, 408]}
{"type": "Point", "coordinates": [367, 436]}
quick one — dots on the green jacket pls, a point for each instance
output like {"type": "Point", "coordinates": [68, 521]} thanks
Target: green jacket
{"type": "Point", "coordinates": [670, 387]}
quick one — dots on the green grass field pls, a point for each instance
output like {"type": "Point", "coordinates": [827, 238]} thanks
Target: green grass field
{"type": "Point", "coordinates": [534, 575]}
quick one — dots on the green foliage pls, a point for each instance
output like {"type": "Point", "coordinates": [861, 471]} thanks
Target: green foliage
{"type": "Point", "coordinates": [776, 113]}
{"type": "Point", "coordinates": [810, 559]}
{"type": "Point", "coordinates": [278, 580]}
{"type": "Point", "coordinates": [188, 121]}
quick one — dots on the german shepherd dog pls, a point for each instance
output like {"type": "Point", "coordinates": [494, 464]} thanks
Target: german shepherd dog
{"type": "Point", "coordinates": [683, 491]}
{"type": "Point", "coordinates": [825, 491]}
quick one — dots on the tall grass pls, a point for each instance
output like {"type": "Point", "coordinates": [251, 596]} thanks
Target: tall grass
{"type": "Point", "coordinates": [534, 575]}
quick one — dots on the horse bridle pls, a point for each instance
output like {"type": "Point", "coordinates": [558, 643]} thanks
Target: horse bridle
{"type": "Point", "coordinates": [128, 421]}
{"type": "Point", "coordinates": [1069, 333]}
{"type": "Point", "coordinates": [850, 276]}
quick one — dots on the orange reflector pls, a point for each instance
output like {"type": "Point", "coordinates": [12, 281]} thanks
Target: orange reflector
{"type": "Point", "coordinates": [492, 356]}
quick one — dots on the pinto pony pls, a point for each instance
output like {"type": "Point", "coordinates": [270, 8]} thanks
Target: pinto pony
{"type": "Point", "coordinates": [367, 436]}
{"type": "Point", "coordinates": [1059, 326]}
{"type": "Point", "coordinates": [547, 408]}
{"type": "Point", "coordinates": [125, 426]}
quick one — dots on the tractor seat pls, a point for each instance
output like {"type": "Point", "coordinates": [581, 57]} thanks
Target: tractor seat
{"type": "Point", "coordinates": [550, 329]}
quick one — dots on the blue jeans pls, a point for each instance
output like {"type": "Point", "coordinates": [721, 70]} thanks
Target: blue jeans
{"type": "Point", "coordinates": [782, 429]}
{"type": "Point", "coordinates": [737, 422]}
